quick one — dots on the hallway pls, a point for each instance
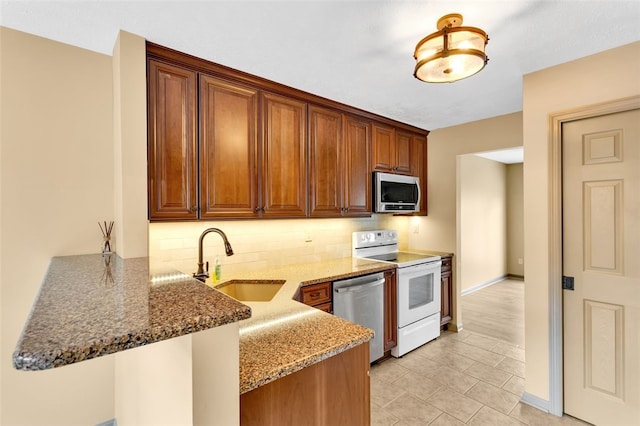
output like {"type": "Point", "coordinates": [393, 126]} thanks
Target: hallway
{"type": "Point", "coordinates": [496, 311]}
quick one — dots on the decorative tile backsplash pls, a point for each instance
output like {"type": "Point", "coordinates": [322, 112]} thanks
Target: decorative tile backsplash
{"type": "Point", "coordinates": [261, 243]}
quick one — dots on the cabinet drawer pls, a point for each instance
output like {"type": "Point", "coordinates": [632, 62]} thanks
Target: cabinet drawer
{"type": "Point", "coordinates": [446, 264]}
{"type": "Point", "coordinates": [326, 307]}
{"type": "Point", "coordinates": [316, 294]}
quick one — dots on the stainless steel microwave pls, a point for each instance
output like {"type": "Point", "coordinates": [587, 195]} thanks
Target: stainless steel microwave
{"type": "Point", "coordinates": [395, 193]}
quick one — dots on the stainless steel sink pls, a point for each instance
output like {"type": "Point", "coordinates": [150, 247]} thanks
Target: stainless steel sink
{"type": "Point", "coordinates": [251, 290]}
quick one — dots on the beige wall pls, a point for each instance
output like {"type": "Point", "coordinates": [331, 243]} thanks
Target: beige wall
{"type": "Point", "coordinates": [130, 144]}
{"type": "Point", "coordinates": [57, 182]}
{"type": "Point", "coordinates": [438, 230]}
{"type": "Point", "coordinates": [606, 76]}
{"type": "Point", "coordinates": [515, 220]}
{"type": "Point", "coordinates": [483, 224]}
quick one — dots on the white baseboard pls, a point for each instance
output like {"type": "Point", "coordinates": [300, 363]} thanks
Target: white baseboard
{"type": "Point", "coordinates": [535, 402]}
{"type": "Point", "coordinates": [483, 285]}
{"type": "Point", "coordinates": [454, 327]}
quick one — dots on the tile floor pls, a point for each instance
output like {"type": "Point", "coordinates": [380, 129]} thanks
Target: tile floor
{"type": "Point", "coordinates": [460, 378]}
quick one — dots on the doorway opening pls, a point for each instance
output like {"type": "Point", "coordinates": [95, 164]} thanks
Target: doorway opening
{"type": "Point", "coordinates": [490, 242]}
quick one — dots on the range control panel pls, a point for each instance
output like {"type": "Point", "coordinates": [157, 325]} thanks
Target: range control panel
{"type": "Point", "coordinates": [362, 239]}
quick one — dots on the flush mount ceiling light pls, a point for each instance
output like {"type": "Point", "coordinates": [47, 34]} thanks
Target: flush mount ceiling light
{"type": "Point", "coordinates": [452, 53]}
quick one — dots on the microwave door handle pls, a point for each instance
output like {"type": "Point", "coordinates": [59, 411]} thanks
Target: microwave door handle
{"type": "Point", "coordinates": [418, 191]}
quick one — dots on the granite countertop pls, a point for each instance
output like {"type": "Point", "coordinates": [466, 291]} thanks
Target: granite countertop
{"type": "Point", "coordinates": [283, 335]}
{"type": "Point", "coordinates": [438, 253]}
{"type": "Point", "coordinates": [90, 306]}
{"type": "Point", "coordinates": [86, 309]}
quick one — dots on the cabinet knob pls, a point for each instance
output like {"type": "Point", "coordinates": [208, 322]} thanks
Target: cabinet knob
{"type": "Point", "coordinates": [193, 209]}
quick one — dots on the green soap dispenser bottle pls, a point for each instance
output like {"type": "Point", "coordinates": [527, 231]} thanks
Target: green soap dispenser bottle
{"type": "Point", "coordinates": [217, 271]}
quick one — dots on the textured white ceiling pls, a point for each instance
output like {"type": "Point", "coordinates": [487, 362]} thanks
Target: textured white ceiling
{"type": "Point", "coordinates": [506, 156]}
{"type": "Point", "coordinates": [357, 52]}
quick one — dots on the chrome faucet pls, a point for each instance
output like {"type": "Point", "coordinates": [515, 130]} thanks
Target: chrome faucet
{"type": "Point", "coordinates": [203, 274]}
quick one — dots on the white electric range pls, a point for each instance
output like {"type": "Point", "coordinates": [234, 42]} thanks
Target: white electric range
{"type": "Point", "coordinates": [418, 286]}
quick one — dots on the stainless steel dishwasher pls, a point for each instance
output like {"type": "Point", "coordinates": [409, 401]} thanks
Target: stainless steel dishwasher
{"type": "Point", "coordinates": [361, 300]}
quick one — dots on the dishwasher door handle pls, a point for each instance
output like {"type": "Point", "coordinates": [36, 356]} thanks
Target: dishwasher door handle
{"type": "Point", "coordinates": [360, 287]}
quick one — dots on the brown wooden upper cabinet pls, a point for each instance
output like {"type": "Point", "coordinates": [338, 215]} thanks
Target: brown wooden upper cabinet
{"type": "Point", "coordinates": [357, 172]}
{"type": "Point", "coordinates": [340, 183]}
{"type": "Point", "coordinates": [402, 152]}
{"type": "Point", "coordinates": [419, 168]}
{"type": "Point", "coordinates": [228, 149]}
{"type": "Point", "coordinates": [284, 164]}
{"type": "Point", "coordinates": [392, 150]}
{"type": "Point", "coordinates": [223, 144]}
{"type": "Point", "coordinates": [172, 171]}
{"type": "Point", "coordinates": [237, 176]}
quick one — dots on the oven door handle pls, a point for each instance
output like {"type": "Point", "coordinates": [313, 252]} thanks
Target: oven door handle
{"type": "Point", "coordinates": [360, 287]}
{"type": "Point", "coordinates": [423, 267]}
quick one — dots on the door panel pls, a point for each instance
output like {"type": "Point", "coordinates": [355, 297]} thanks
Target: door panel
{"type": "Point", "coordinates": [284, 157]}
{"type": "Point", "coordinates": [325, 165]}
{"type": "Point", "coordinates": [357, 174]}
{"type": "Point", "coordinates": [601, 250]}
{"type": "Point", "coordinates": [419, 168]}
{"type": "Point", "coordinates": [228, 149]}
{"type": "Point", "coordinates": [172, 142]}
{"type": "Point", "coordinates": [383, 148]}
{"type": "Point", "coordinates": [403, 160]}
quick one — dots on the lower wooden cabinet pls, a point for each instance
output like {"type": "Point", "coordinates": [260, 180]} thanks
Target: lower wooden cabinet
{"type": "Point", "coordinates": [390, 310]}
{"type": "Point", "coordinates": [317, 295]}
{"type": "Point", "coordinates": [332, 392]}
{"type": "Point", "coordinates": [446, 288]}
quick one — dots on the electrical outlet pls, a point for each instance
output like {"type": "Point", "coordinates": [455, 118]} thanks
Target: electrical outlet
{"type": "Point", "coordinates": [307, 237]}
{"type": "Point", "coordinates": [520, 261]}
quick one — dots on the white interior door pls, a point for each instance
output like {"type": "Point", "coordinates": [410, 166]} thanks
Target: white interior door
{"type": "Point", "coordinates": [601, 250]}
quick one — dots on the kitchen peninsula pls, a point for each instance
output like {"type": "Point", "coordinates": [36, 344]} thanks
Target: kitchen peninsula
{"type": "Point", "coordinates": [87, 308]}
{"type": "Point", "coordinates": [90, 306]}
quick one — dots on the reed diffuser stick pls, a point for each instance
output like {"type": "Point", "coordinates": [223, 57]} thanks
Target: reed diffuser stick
{"type": "Point", "coordinates": [106, 233]}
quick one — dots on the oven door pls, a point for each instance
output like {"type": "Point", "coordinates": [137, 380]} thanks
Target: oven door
{"type": "Point", "coordinates": [418, 292]}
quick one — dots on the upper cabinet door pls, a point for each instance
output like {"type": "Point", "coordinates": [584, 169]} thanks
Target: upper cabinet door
{"type": "Point", "coordinates": [383, 148]}
{"type": "Point", "coordinates": [419, 168]}
{"type": "Point", "coordinates": [228, 149]}
{"type": "Point", "coordinates": [357, 171]}
{"type": "Point", "coordinates": [403, 153]}
{"type": "Point", "coordinates": [283, 157]}
{"type": "Point", "coordinates": [325, 164]}
{"type": "Point", "coordinates": [172, 100]}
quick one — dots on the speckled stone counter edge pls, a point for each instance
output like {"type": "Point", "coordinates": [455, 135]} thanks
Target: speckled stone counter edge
{"type": "Point", "coordinates": [249, 384]}
{"type": "Point", "coordinates": [40, 346]}
{"type": "Point", "coordinates": [339, 336]}
{"type": "Point", "coordinates": [312, 335]}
